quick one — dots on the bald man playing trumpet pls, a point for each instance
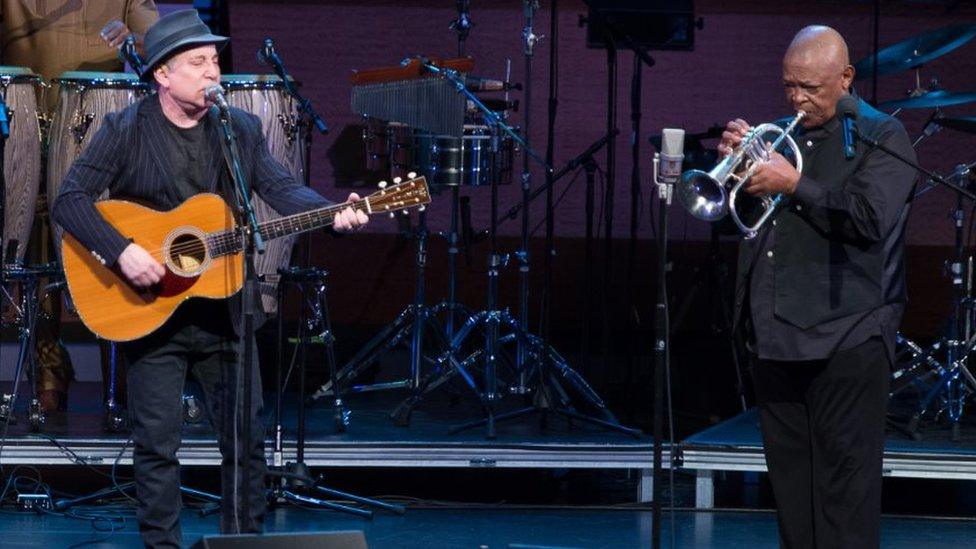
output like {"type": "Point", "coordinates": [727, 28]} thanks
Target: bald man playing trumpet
{"type": "Point", "coordinates": [819, 296]}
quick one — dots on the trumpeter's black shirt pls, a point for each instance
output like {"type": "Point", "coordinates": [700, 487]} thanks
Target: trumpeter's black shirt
{"type": "Point", "coordinates": [827, 272]}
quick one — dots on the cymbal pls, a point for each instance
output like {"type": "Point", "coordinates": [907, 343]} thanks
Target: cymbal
{"type": "Point", "coordinates": [916, 51]}
{"type": "Point", "coordinates": [929, 100]}
{"type": "Point", "coordinates": [964, 124]}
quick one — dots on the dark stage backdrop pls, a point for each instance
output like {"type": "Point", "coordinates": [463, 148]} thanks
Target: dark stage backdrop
{"type": "Point", "coordinates": [734, 71]}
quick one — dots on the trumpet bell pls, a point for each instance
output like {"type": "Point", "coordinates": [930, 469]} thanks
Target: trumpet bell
{"type": "Point", "coordinates": [702, 195]}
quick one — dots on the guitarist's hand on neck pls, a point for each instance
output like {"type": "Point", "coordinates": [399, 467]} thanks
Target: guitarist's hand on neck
{"type": "Point", "coordinates": [140, 268]}
{"type": "Point", "coordinates": [350, 219]}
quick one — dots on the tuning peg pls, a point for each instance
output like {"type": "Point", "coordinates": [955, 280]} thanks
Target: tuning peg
{"type": "Point", "coordinates": [381, 184]}
{"type": "Point", "coordinates": [412, 175]}
{"type": "Point", "coordinates": [392, 215]}
{"type": "Point", "coordinates": [397, 180]}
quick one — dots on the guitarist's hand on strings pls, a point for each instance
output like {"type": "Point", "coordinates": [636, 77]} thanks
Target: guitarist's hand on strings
{"type": "Point", "coordinates": [350, 219]}
{"type": "Point", "coordinates": [139, 267]}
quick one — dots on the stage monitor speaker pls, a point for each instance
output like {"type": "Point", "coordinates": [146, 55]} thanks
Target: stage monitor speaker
{"type": "Point", "coordinates": [347, 539]}
{"type": "Point", "coordinates": [651, 24]}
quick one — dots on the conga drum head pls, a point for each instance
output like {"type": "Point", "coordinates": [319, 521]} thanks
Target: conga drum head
{"type": "Point", "coordinates": [21, 157]}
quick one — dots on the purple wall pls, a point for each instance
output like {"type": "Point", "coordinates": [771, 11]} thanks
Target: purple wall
{"type": "Point", "coordinates": [734, 71]}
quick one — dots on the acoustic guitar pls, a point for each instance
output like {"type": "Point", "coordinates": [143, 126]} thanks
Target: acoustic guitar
{"type": "Point", "coordinates": [201, 248]}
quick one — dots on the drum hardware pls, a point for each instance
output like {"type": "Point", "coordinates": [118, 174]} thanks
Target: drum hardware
{"type": "Point", "coordinates": [27, 313]}
{"type": "Point", "coordinates": [80, 122]}
{"type": "Point", "coordinates": [290, 125]}
{"type": "Point", "coordinates": [396, 102]}
{"type": "Point", "coordinates": [537, 368]}
{"type": "Point", "coordinates": [944, 385]}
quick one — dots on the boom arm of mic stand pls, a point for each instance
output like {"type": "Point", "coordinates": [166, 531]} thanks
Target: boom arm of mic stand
{"type": "Point", "coordinates": [928, 173]}
{"type": "Point", "coordinates": [492, 117]}
{"type": "Point", "coordinates": [570, 166]}
{"type": "Point", "coordinates": [304, 105]}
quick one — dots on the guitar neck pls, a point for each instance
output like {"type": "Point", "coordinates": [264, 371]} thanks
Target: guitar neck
{"type": "Point", "coordinates": [403, 195]}
{"type": "Point", "coordinates": [308, 221]}
{"type": "Point", "coordinates": [229, 242]}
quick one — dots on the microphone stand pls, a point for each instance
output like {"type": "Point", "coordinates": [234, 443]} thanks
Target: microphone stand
{"type": "Point", "coordinates": [615, 34]}
{"type": "Point", "coordinates": [305, 107]}
{"type": "Point", "coordinates": [307, 117]}
{"type": "Point", "coordinates": [252, 242]}
{"type": "Point", "coordinates": [530, 40]}
{"type": "Point", "coordinates": [6, 405]}
{"type": "Point", "coordinates": [662, 344]}
{"type": "Point", "coordinates": [129, 54]}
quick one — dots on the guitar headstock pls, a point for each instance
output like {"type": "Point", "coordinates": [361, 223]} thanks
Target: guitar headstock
{"type": "Point", "coordinates": [406, 194]}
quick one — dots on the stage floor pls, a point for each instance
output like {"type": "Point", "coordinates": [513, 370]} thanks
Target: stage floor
{"type": "Point", "coordinates": [371, 440]}
{"type": "Point", "coordinates": [500, 527]}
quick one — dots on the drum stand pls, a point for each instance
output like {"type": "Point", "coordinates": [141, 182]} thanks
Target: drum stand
{"type": "Point", "coordinates": [945, 386]}
{"type": "Point", "coordinates": [409, 324]}
{"type": "Point", "coordinates": [296, 482]}
{"type": "Point", "coordinates": [27, 314]}
{"type": "Point", "coordinates": [114, 419]}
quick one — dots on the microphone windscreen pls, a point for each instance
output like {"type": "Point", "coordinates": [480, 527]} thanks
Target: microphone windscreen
{"type": "Point", "coordinates": [847, 106]}
{"type": "Point", "coordinates": [673, 142]}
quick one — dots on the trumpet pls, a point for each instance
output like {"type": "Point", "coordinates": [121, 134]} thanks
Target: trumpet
{"type": "Point", "coordinates": [707, 195]}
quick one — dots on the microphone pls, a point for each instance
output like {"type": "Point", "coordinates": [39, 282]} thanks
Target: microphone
{"type": "Point", "coordinates": [215, 94]}
{"type": "Point", "coordinates": [672, 155]}
{"type": "Point", "coordinates": [267, 54]}
{"type": "Point", "coordinates": [477, 83]}
{"type": "Point", "coordinates": [129, 54]}
{"type": "Point", "coordinates": [847, 110]}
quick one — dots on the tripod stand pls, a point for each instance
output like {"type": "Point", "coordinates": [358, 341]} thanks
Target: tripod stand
{"type": "Point", "coordinates": [27, 315]}
{"type": "Point", "coordinates": [410, 324]}
{"type": "Point", "coordinates": [945, 385]}
{"type": "Point", "coordinates": [296, 484]}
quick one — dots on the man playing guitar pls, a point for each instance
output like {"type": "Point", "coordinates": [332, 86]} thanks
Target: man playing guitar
{"type": "Point", "coordinates": [162, 151]}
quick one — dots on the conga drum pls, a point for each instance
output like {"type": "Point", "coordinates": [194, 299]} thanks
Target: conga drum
{"type": "Point", "coordinates": [265, 97]}
{"type": "Point", "coordinates": [21, 157]}
{"type": "Point", "coordinates": [84, 100]}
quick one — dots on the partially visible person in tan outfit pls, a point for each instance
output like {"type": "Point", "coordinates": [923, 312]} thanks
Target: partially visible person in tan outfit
{"type": "Point", "coordinates": [51, 37]}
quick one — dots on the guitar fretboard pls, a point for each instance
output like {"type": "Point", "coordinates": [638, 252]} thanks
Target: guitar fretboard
{"type": "Point", "coordinates": [229, 242]}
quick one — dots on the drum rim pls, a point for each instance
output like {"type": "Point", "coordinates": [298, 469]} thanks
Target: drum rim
{"type": "Point", "coordinates": [130, 81]}
{"type": "Point", "coordinates": [7, 78]}
{"type": "Point", "coordinates": [254, 81]}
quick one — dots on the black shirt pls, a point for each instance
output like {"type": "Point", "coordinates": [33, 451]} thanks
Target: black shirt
{"type": "Point", "coordinates": [842, 207]}
{"type": "Point", "coordinates": [189, 154]}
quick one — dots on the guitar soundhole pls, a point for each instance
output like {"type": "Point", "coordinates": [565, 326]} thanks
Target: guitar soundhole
{"type": "Point", "coordinates": [186, 254]}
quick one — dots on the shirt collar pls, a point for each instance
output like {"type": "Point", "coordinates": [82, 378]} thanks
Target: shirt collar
{"type": "Point", "coordinates": [823, 131]}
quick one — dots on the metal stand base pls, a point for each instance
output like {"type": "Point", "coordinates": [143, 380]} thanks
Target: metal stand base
{"type": "Point", "coordinates": [297, 486]}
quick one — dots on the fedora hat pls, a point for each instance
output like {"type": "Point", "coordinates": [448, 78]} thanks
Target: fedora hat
{"type": "Point", "coordinates": [174, 32]}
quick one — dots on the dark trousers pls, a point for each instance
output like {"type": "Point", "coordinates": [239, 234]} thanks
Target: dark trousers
{"type": "Point", "coordinates": [823, 431]}
{"type": "Point", "coordinates": [201, 339]}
